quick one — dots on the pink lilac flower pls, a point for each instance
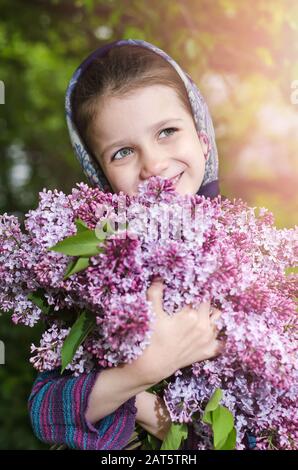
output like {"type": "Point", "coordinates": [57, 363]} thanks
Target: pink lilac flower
{"type": "Point", "coordinates": [217, 250]}
{"type": "Point", "coordinates": [48, 353]}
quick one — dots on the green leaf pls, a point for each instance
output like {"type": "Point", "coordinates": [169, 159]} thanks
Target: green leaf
{"type": "Point", "coordinates": [230, 442]}
{"type": "Point", "coordinates": [81, 226]}
{"type": "Point", "coordinates": [157, 388]}
{"type": "Point", "coordinates": [207, 418]}
{"type": "Point", "coordinates": [176, 434]}
{"type": "Point", "coordinates": [221, 421]}
{"type": "Point", "coordinates": [211, 406]}
{"type": "Point", "coordinates": [78, 333]}
{"type": "Point", "coordinates": [153, 442]}
{"type": "Point", "coordinates": [222, 425]}
{"type": "Point", "coordinates": [76, 266]}
{"type": "Point", "coordinates": [70, 267]}
{"type": "Point", "coordinates": [39, 299]}
{"type": "Point", "coordinates": [214, 400]}
{"type": "Point", "coordinates": [83, 244]}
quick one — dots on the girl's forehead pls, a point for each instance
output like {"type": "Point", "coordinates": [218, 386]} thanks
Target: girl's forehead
{"type": "Point", "coordinates": [156, 92]}
{"type": "Point", "coordinates": [121, 120]}
{"type": "Point", "coordinates": [154, 101]}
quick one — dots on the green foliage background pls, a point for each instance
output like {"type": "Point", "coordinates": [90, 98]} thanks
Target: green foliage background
{"type": "Point", "coordinates": [243, 57]}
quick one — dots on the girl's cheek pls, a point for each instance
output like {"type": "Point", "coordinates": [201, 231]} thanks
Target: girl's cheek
{"type": "Point", "coordinates": [122, 180]}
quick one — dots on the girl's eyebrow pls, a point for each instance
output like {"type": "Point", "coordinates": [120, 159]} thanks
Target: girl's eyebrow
{"type": "Point", "coordinates": [155, 126]}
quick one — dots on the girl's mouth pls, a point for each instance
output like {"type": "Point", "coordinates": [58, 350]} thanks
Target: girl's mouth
{"type": "Point", "coordinates": [175, 179]}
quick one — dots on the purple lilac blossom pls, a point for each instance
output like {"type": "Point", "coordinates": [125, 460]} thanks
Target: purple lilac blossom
{"type": "Point", "coordinates": [203, 249]}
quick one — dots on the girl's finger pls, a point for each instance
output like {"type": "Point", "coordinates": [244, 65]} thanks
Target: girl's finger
{"type": "Point", "coordinates": [215, 314]}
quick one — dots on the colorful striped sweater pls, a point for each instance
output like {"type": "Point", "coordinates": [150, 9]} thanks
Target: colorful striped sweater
{"type": "Point", "coordinates": [57, 406]}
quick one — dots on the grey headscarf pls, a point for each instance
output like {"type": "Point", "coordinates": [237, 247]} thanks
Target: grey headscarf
{"type": "Point", "coordinates": [203, 122]}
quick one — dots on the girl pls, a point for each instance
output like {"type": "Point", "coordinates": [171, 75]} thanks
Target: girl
{"type": "Point", "coordinates": [133, 113]}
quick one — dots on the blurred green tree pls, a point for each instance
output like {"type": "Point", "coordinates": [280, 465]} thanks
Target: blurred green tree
{"type": "Point", "coordinates": [240, 57]}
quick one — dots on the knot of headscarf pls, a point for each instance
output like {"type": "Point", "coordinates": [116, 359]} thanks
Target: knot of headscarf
{"type": "Point", "coordinates": [202, 118]}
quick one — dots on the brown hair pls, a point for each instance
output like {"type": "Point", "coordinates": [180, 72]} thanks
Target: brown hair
{"type": "Point", "coordinates": [121, 71]}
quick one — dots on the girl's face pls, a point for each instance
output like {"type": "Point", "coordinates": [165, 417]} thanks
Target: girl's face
{"type": "Point", "coordinates": [148, 133]}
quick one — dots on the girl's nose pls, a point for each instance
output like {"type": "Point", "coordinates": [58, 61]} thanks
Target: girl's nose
{"type": "Point", "coordinates": [153, 164]}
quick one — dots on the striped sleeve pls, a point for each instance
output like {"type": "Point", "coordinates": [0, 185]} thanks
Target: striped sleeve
{"type": "Point", "coordinates": [57, 406]}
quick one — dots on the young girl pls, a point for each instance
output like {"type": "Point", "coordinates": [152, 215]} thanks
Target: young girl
{"type": "Point", "coordinates": [133, 113]}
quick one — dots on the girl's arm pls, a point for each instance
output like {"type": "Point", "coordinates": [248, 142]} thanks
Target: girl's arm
{"type": "Point", "coordinates": [152, 414]}
{"type": "Point", "coordinates": [114, 386]}
{"type": "Point", "coordinates": [58, 404]}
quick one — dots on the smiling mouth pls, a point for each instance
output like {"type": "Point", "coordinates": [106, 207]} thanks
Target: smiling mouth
{"type": "Point", "coordinates": [176, 178]}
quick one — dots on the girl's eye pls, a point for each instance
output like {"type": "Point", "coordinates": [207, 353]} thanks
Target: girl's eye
{"type": "Point", "coordinates": [114, 157]}
{"type": "Point", "coordinates": [170, 129]}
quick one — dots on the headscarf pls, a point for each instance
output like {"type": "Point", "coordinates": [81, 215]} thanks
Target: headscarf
{"type": "Point", "coordinates": [202, 118]}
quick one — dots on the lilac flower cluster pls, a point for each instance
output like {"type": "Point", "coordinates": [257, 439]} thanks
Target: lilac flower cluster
{"type": "Point", "coordinates": [48, 353]}
{"type": "Point", "coordinates": [217, 250]}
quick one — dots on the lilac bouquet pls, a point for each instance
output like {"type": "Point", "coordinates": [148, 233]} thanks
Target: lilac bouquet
{"type": "Point", "coordinates": [83, 265]}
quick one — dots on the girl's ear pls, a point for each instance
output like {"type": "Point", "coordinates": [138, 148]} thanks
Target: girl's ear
{"type": "Point", "coordinates": [205, 143]}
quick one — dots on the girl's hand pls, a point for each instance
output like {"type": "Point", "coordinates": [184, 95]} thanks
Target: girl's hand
{"type": "Point", "coordinates": [176, 342]}
{"type": "Point", "coordinates": [180, 340]}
